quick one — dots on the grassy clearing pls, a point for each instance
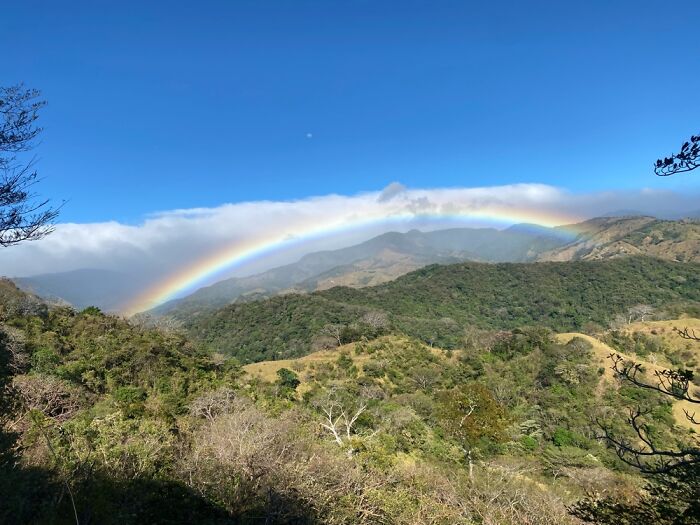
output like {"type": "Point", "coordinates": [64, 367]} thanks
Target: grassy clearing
{"type": "Point", "coordinates": [267, 370]}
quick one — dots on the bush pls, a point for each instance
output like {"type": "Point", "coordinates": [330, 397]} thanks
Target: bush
{"type": "Point", "coordinates": [529, 443]}
{"type": "Point", "coordinates": [287, 379]}
{"type": "Point", "coordinates": [45, 361]}
{"type": "Point", "coordinates": [563, 437]}
{"type": "Point", "coordinates": [130, 400]}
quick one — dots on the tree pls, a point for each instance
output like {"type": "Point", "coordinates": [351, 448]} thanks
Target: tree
{"type": "Point", "coordinates": [639, 312]}
{"type": "Point", "coordinates": [212, 404]}
{"type": "Point", "coordinates": [469, 414]}
{"type": "Point", "coordinates": [339, 417]}
{"type": "Point", "coordinates": [686, 160]}
{"type": "Point", "coordinates": [647, 456]}
{"type": "Point", "coordinates": [335, 331]}
{"type": "Point", "coordinates": [23, 216]}
{"type": "Point", "coordinates": [672, 496]}
{"type": "Point", "coordinates": [376, 321]}
{"type": "Point", "coordinates": [287, 379]}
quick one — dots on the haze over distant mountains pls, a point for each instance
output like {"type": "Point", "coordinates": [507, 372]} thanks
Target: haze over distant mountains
{"type": "Point", "coordinates": [106, 289]}
{"type": "Point", "coordinates": [390, 255]}
{"type": "Point", "coordinates": [376, 261]}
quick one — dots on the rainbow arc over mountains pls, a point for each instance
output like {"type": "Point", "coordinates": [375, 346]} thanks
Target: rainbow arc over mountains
{"type": "Point", "coordinates": [211, 265]}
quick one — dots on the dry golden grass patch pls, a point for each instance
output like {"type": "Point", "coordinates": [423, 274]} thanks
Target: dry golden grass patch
{"type": "Point", "coordinates": [267, 370]}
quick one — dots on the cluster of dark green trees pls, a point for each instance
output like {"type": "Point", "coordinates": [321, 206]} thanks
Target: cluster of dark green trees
{"type": "Point", "coordinates": [60, 371]}
{"type": "Point", "coordinates": [434, 304]}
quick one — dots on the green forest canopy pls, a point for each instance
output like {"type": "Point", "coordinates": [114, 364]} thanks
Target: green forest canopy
{"type": "Point", "coordinates": [436, 303]}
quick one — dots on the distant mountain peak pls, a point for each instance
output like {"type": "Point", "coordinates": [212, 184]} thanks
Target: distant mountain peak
{"type": "Point", "coordinates": [377, 260]}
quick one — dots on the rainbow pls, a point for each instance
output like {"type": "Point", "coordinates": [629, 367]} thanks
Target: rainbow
{"type": "Point", "coordinates": [209, 267]}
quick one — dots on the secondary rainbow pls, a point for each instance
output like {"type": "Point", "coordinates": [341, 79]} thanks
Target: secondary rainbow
{"type": "Point", "coordinates": [211, 265]}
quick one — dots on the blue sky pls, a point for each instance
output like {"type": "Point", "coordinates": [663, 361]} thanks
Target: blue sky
{"type": "Point", "coordinates": [157, 106]}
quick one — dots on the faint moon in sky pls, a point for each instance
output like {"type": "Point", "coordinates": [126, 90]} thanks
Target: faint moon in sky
{"type": "Point", "coordinates": [309, 135]}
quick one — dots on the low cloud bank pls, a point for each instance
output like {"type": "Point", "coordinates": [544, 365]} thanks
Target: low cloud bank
{"type": "Point", "coordinates": [168, 241]}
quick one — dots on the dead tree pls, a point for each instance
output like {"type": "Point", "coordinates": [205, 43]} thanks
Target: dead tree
{"type": "Point", "coordinates": [376, 320]}
{"type": "Point", "coordinates": [48, 395]}
{"type": "Point", "coordinates": [339, 420]}
{"type": "Point", "coordinates": [213, 404]}
{"type": "Point", "coordinates": [335, 331]}
{"type": "Point", "coordinates": [49, 401]}
{"type": "Point", "coordinates": [639, 312]}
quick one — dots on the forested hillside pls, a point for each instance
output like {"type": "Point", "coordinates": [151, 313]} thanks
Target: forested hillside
{"type": "Point", "coordinates": [436, 304]}
{"type": "Point", "coordinates": [107, 422]}
{"type": "Point", "coordinates": [88, 411]}
{"type": "Point", "coordinates": [394, 254]}
{"type": "Point", "coordinates": [388, 256]}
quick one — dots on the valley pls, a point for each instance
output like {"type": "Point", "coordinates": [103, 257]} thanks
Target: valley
{"type": "Point", "coordinates": [396, 377]}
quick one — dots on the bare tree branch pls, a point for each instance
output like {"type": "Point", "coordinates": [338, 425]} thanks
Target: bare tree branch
{"type": "Point", "coordinates": [648, 458]}
{"type": "Point", "coordinates": [674, 383]}
{"type": "Point", "coordinates": [645, 454]}
{"type": "Point", "coordinates": [687, 333]}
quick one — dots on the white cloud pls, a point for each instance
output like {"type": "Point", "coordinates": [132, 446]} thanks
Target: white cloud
{"type": "Point", "coordinates": [169, 241]}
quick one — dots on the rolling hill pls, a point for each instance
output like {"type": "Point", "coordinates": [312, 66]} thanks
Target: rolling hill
{"type": "Point", "coordinates": [608, 237]}
{"type": "Point", "coordinates": [388, 256]}
{"type": "Point", "coordinates": [600, 352]}
{"type": "Point", "coordinates": [437, 303]}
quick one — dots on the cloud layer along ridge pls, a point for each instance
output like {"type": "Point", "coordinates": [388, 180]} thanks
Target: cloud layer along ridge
{"type": "Point", "coordinates": [169, 241]}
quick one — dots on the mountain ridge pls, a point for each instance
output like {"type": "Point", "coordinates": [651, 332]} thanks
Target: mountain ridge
{"type": "Point", "coordinates": [608, 237]}
{"type": "Point", "coordinates": [377, 260]}
{"type": "Point", "coordinates": [390, 255]}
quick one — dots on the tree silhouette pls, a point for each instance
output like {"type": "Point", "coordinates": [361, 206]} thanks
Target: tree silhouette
{"type": "Point", "coordinates": [23, 216]}
{"type": "Point", "coordinates": [672, 494]}
{"type": "Point", "coordinates": [686, 160]}
{"type": "Point", "coordinates": [643, 453]}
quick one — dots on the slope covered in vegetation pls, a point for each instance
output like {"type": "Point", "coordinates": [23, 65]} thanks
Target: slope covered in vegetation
{"type": "Point", "coordinates": [107, 422]}
{"type": "Point", "coordinates": [436, 303]}
{"type": "Point", "coordinates": [608, 237]}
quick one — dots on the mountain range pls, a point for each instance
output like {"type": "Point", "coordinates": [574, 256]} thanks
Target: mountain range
{"type": "Point", "coordinates": [378, 260]}
{"type": "Point", "coordinates": [390, 255]}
